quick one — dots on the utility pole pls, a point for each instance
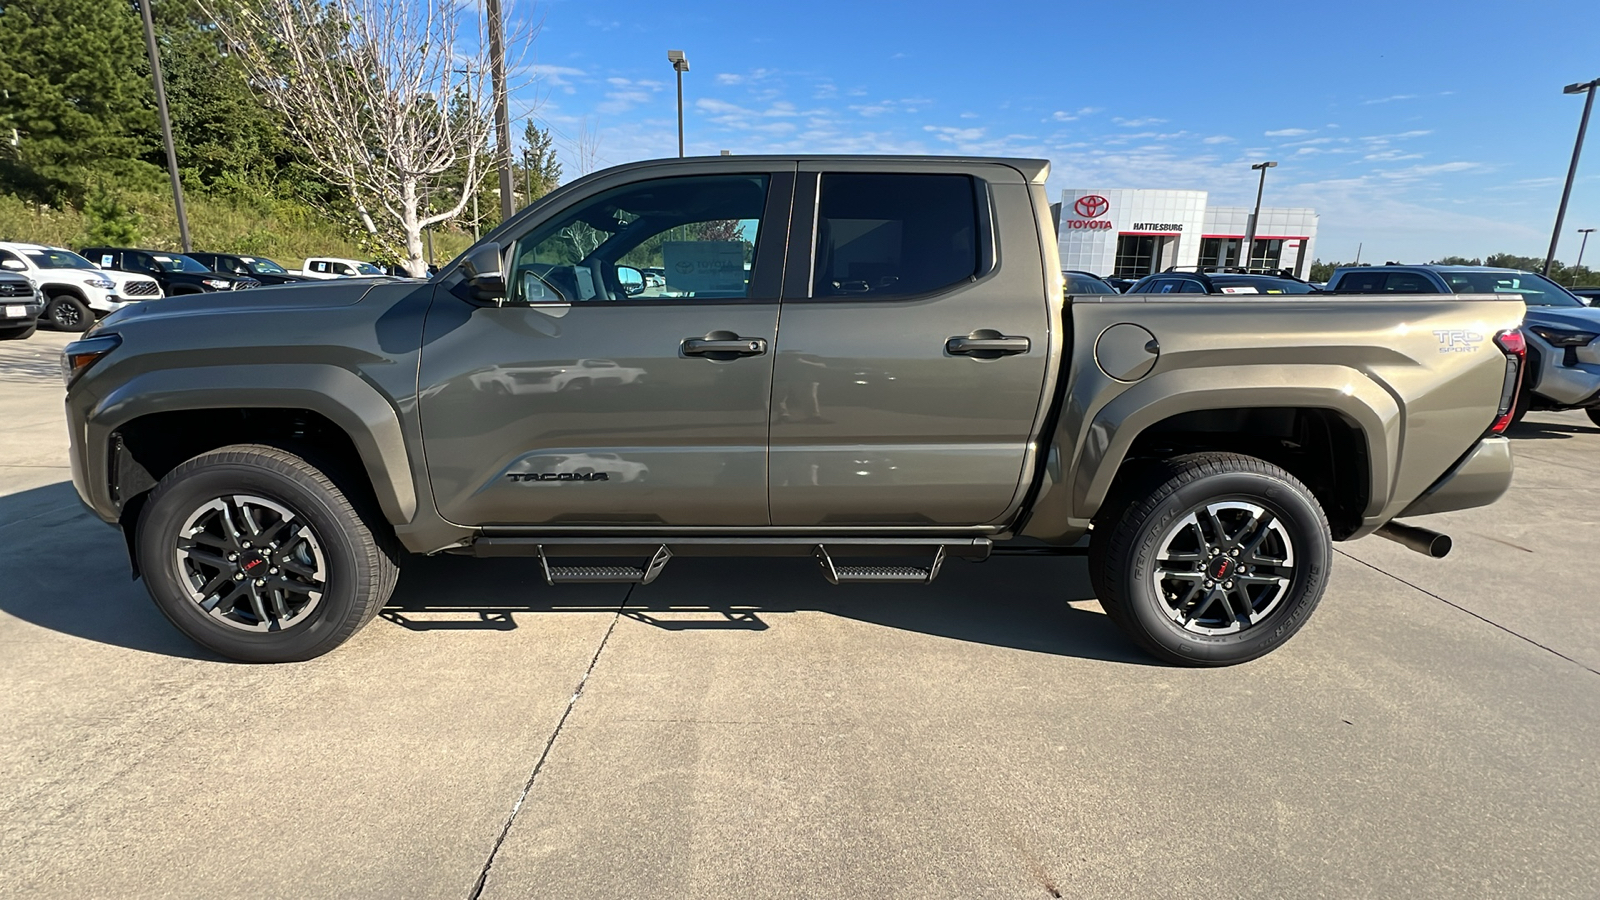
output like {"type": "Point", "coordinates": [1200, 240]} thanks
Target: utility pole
{"type": "Point", "coordinates": [502, 116]}
{"type": "Point", "coordinates": [166, 122]}
{"type": "Point", "coordinates": [1248, 250]}
{"type": "Point", "coordinates": [1582, 87]}
{"type": "Point", "coordinates": [680, 65]}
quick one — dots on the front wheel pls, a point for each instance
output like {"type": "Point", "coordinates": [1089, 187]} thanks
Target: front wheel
{"type": "Point", "coordinates": [258, 555]}
{"type": "Point", "coordinates": [1218, 559]}
{"type": "Point", "coordinates": [68, 313]}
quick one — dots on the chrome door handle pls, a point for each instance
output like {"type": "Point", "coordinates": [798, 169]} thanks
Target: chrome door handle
{"type": "Point", "coordinates": [734, 347]}
{"type": "Point", "coordinates": [1003, 345]}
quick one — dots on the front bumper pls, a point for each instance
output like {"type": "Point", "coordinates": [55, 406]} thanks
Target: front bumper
{"type": "Point", "coordinates": [1561, 384]}
{"type": "Point", "coordinates": [1477, 479]}
{"type": "Point", "coordinates": [29, 313]}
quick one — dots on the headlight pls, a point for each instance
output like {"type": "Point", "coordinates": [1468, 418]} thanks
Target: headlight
{"type": "Point", "coordinates": [1559, 338]}
{"type": "Point", "coordinates": [78, 356]}
{"type": "Point", "coordinates": [216, 283]}
{"type": "Point", "coordinates": [102, 282]}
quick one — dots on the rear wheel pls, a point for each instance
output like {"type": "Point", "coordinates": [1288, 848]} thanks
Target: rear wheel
{"type": "Point", "coordinates": [1220, 559]}
{"type": "Point", "coordinates": [256, 554]}
{"type": "Point", "coordinates": [68, 313]}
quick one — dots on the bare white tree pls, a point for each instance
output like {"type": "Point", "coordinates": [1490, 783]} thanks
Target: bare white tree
{"type": "Point", "coordinates": [391, 97]}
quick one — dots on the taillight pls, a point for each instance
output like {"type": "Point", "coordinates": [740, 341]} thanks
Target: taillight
{"type": "Point", "coordinates": [1516, 350]}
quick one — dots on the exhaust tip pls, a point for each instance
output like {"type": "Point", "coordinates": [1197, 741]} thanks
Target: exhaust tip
{"type": "Point", "coordinates": [1423, 540]}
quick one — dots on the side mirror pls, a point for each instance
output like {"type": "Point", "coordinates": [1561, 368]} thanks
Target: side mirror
{"type": "Point", "coordinates": [632, 280]}
{"type": "Point", "coordinates": [15, 264]}
{"type": "Point", "coordinates": [485, 273]}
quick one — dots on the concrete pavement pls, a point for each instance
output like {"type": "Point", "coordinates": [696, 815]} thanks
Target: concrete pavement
{"type": "Point", "coordinates": [741, 728]}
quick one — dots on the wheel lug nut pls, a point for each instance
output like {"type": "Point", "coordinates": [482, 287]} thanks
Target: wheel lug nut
{"type": "Point", "coordinates": [261, 582]}
{"type": "Point", "coordinates": [1210, 583]}
{"type": "Point", "coordinates": [232, 557]}
{"type": "Point", "coordinates": [272, 571]}
{"type": "Point", "coordinates": [1227, 585]}
{"type": "Point", "coordinates": [1233, 552]}
{"type": "Point", "coordinates": [238, 576]}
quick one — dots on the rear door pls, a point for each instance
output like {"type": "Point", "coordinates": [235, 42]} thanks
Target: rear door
{"type": "Point", "coordinates": [913, 346]}
{"type": "Point", "coordinates": [598, 397]}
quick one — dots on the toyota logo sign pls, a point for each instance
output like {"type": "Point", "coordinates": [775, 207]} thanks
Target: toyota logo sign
{"type": "Point", "coordinates": [1092, 206]}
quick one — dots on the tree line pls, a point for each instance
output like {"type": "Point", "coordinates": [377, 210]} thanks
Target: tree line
{"type": "Point", "coordinates": [1571, 276]}
{"type": "Point", "coordinates": [79, 130]}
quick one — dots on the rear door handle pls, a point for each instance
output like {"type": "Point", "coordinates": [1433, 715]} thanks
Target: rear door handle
{"type": "Point", "coordinates": [734, 346]}
{"type": "Point", "coordinates": [1004, 345]}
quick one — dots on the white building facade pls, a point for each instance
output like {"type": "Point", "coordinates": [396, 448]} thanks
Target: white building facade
{"type": "Point", "coordinates": [1132, 233]}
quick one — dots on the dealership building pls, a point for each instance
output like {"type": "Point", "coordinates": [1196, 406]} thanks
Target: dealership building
{"type": "Point", "coordinates": [1137, 232]}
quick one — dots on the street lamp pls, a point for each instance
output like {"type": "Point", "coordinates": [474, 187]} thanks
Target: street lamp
{"type": "Point", "coordinates": [1582, 87]}
{"type": "Point", "coordinates": [680, 65]}
{"type": "Point", "coordinates": [1585, 232]}
{"type": "Point", "coordinates": [166, 124]}
{"type": "Point", "coordinates": [1250, 232]}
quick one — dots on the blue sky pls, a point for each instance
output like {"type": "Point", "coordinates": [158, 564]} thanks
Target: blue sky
{"type": "Point", "coordinates": [1415, 129]}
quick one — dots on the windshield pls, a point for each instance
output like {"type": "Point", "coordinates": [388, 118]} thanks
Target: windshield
{"type": "Point", "coordinates": [1265, 285]}
{"type": "Point", "coordinates": [57, 259]}
{"type": "Point", "coordinates": [177, 262]}
{"type": "Point", "coordinates": [1536, 290]}
{"type": "Point", "coordinates": [263, 266]}
{"type": "Point", "coordinates": [368, 269]}
{"type": "Point", "coordinates": [1083, 284]}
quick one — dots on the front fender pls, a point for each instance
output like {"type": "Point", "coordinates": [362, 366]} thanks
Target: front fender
{"type": "Point", "coordinates": [342, 397]}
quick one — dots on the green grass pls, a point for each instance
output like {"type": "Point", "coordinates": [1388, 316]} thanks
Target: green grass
{"type": "Point", "coordinates": [284, 230]}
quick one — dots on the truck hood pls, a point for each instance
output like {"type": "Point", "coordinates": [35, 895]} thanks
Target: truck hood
{"type": "Point", "coordinates": [279, 298]}
{"type": "Point", "coordinates": [1583, 318]}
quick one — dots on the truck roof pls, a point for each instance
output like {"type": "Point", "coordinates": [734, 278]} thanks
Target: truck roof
{"type": "Point", "coordinates": [1034, 170]}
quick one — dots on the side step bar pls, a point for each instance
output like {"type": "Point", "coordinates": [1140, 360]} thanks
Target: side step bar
{"type": "Point", "coordinates": [606, 574]}
{"type": "Point", "coordinates": [837, 574]}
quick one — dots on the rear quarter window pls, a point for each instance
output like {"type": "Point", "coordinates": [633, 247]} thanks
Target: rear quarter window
{"type": "Point", "coordinates": [894, 235]}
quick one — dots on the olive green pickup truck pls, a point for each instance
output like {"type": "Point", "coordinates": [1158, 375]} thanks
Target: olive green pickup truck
{"type": "Point", "coordinates": [866, 360]}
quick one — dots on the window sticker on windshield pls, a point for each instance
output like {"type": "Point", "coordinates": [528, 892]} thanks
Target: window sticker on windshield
{"type": "Point", "coordinates": [105, 259]}
{"type": "Point", "coordinates": [704, 266]}
{"type": "Point", "coordinates": [1240, 290]}
{"type": "Point", "coordinates": [248, 259]}
{"type": "Point", "coordinates": [163, 259]}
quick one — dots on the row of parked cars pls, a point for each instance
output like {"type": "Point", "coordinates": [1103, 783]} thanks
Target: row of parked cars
{"type": "Point", "coordinates": [70, 290]}
{"type": "Point", "coordinates": [1561, 327]}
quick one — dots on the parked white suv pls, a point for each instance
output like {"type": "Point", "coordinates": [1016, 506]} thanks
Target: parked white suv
{"type": "Point", "coordinates": [326, 267]}
{"type": "Point", "coordinates": [76, 291]}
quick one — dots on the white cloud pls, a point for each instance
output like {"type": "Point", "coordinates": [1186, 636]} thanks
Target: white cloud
{"type": "Point", "coordinates": [1218, 139]}
{"type": "Point", "coordinates": [1288, 132]}
{"type": "Point", "coordinates": [1390, 99]}
{"type": "Point", "coordinates": [1138, 123]}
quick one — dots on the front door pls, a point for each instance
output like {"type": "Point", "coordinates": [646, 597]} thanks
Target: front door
{"type": "Point", "coordinates": [911, 361]}
{"type": "Point", "coordinates": [627, 378]}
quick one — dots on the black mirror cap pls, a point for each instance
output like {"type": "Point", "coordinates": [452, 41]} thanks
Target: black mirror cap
{"type": "Point", "coordinates": [483, 267]}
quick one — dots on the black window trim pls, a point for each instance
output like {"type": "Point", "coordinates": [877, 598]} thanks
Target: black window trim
{"type": "Point", "coordinates": [801, 266]}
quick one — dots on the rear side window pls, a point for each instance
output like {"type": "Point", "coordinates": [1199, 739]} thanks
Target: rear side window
{"type": "Point", "coordinates": [1362, 282]}
{"type": "Point", "coordinates": [1408, 283]}
{"type": "Point", "coordinates": [895, 235]}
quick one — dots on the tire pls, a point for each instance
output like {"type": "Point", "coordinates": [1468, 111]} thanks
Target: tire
{"type": "Point", "coordinates": [288, 615]}
{"type": "Point", "coordinates": [1176, 608]}
{"type": "Point", "coordinates": [1593, 414]}
{"type": "Point", "coordinates": [19, 334]}
{"type": "Point", "coordinates": [67, 313]}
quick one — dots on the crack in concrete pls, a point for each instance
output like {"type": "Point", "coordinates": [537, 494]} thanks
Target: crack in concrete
{"type": "Point", "coordinates": [527, 787]}
{"type": "Point", "coordinates": [1469, 612]}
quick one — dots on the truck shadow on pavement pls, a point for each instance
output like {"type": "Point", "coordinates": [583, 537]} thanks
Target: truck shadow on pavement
{"type": "Point", "coordinates": [1021, 603]}
{"type": "Point", "coordinates": [63, 570]}
{"type": "Point", "coordinates": [1560, 431]}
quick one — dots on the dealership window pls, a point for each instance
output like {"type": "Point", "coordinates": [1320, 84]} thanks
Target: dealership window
{"type": "Point", "coordinates": [1266, 255]}
{"type": "Point", "coordinates": [1220, 252]}
{"type": "Point", "coordinates": [894, 235]}
{"type": "Point", "coordinates": [1137, 254]}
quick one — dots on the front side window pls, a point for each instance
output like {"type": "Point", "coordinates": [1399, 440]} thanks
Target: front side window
{"type": "Point", "coordinates": [57, 259]}
{"type": "Point", "coordinates": [894, 235]}
{"type": "Point", "coordinates": [689, 238]}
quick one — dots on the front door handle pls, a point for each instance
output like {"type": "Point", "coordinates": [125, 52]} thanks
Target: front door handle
{"type": "Point", "coordinates": [1003, 345]}
{"type": "Point", "coordinates": [724, 347]}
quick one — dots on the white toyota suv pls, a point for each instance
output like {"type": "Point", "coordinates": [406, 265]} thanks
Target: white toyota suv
{"type": "Point", "coordinates": [76, 291]}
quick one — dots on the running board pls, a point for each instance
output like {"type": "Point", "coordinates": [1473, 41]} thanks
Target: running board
{"type": "Point", "coordinates": [606, 574]}
{"type": "Point", "coordinates": [837, 574]}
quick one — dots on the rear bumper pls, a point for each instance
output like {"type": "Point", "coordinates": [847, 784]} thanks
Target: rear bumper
{"type": "Point", "coordinates": [1478, 479]}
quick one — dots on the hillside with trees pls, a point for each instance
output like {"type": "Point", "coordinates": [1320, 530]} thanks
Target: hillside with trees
{"type": "Point", "coordinates": [81, 156]}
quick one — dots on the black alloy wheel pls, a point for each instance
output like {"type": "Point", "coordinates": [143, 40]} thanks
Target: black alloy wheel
{"type": "Point", "coordinates": [68, 313]}
{"type": "Point", "coordinates": [1212, 559]}
{"type": "Point", "coordinates": [251, 564]}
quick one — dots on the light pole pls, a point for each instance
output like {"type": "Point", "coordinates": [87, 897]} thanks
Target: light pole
{"type": "Point", "coordinates": [502, 117]}
{"type": "Point", "coordinates": [166, 123]}
{"type": "Point", "coordinates": [680, 65]}
{"type": "Point", "coordinates": [1585, 232]}
{"type": "Point", "coordinates": [1582, 87]}
{"type": "Point", "coordinates": [1250, 231]}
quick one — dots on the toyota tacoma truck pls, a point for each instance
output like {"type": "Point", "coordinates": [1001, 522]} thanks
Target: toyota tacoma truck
{"type": "Point", "coordinates": [869, 361]}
